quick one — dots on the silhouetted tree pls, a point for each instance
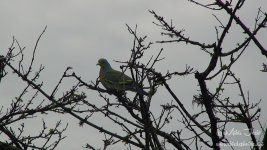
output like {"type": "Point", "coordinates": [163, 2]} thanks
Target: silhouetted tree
{"type": "Point", "coordinates": [140, 127]}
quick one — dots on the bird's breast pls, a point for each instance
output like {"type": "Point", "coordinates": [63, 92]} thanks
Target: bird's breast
{"type": "Point", "coordinates": [101, 74]}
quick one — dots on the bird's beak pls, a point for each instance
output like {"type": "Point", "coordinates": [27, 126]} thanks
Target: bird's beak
{"type": "Point", "coordinates": [97, 64]}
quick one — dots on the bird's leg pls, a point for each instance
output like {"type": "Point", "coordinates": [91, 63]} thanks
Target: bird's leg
{"type": "Point", "coordinates": [97, 81]}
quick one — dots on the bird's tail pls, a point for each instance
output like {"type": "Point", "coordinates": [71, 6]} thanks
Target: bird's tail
{"type": "Point", "coordinates": [140, 90]}
{"type": "Point", "coordinates": [143, 92]}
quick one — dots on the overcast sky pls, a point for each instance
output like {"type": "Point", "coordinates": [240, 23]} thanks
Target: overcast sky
{"type": "Point", "coordinates": [79, 32]}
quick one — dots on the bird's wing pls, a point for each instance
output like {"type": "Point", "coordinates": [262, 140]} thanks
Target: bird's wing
{"type": "Point", "coordinates": [117, 77]}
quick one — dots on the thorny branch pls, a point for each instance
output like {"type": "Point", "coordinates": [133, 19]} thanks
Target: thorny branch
{"type": "Point", "coordinates": [134, 114]}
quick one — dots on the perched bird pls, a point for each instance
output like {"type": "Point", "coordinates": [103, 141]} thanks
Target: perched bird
{"type": "Point", "coordinates": [115, 80]}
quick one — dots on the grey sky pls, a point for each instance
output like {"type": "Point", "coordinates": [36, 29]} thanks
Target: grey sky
{"type": "Point", "coordinates": [81, 31]}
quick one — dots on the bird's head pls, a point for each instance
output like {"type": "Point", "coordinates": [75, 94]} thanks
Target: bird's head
{"type": "Point", "coordinates": [103, 63]}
